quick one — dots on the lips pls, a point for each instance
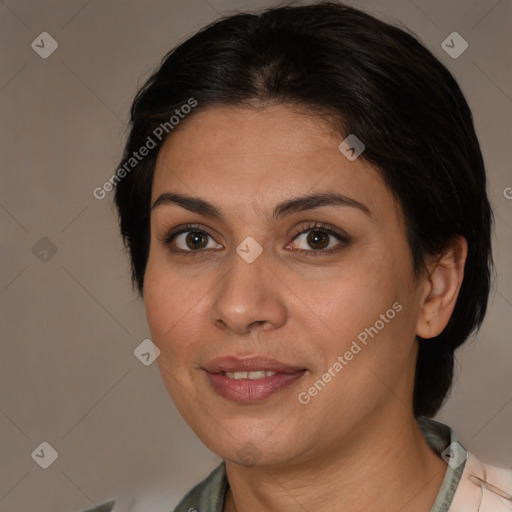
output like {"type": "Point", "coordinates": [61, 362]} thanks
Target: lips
{"type": "Point", "coordinates": [251, 379]}
{"type": "Point", "coordinates": [250, 364]}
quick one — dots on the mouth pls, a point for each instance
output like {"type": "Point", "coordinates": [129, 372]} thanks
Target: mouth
{"type": "Point", "coordinates": [254, 375]}
{"type": "Point", "coordinates": [253, 364]}
{"type": "Point", "coordinates": [250, 379]}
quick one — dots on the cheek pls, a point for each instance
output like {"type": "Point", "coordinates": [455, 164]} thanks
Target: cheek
{"type": "Point", "coordinates": [370, 316]}
{"type": "Point", "coordinates": [166, 309]}
{"type": "Point", "coordinates": [167, 323]}
{"type": "Point", "coordinates": [354, 299]}
{"type": "Point", "coordinates": [157, 305]}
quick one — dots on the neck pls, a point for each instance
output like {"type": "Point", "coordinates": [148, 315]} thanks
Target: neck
{"type": "Point", "coordinates": [391, 466]}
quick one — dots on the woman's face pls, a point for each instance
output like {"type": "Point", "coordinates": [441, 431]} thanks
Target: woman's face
{"type": "Point", "coordinates": [338, 312]}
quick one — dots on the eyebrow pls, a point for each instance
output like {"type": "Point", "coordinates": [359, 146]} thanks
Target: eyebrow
{"type": "Point", "coordinates": [288, 207]}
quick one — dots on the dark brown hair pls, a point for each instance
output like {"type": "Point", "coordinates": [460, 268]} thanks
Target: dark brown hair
{"type": "Point", "coordinates": [382, 85]}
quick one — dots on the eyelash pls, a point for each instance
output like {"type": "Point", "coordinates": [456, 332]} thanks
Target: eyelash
{"type": "Point", "coordinates": [315, 226]}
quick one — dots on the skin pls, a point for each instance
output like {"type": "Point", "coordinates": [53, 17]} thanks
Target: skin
{"type": "Point", "coordinates": [356, 443]}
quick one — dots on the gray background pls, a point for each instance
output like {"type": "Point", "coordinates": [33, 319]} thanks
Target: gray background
{"type": "Point", "coordinates": [68, 374]}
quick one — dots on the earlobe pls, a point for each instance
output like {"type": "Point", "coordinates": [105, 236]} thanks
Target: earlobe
{"type": "Point", "coordinates": [441, 288]}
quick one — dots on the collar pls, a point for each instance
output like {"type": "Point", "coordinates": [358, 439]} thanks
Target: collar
{"type": "Point", "coordinates": [468, 484]}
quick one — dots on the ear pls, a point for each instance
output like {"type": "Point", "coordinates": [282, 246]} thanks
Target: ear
{"type": "Point", "coordinates": [441, 288]}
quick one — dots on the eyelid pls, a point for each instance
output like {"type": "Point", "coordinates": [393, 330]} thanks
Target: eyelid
{"type": "Point", "coordinates": [343, 238]}
{"type": "Point", "coordinates": [169, 235]}
{"type": "Point", "coordinates": [168, 238]}
{"type": "Point", "coordinates": [321, 226]}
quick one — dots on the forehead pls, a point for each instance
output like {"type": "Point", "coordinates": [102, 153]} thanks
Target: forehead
{"type": "Point", "coordinates": [233, 155]}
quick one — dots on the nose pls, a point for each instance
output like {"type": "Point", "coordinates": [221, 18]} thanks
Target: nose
{"type": "Point", "coordinates": [249, 297]}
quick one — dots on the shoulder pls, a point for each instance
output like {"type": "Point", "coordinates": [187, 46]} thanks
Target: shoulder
{"type": "Point", "coordinates": [485, 485]}
{"type": "Point", "coordinates": [208, 495]}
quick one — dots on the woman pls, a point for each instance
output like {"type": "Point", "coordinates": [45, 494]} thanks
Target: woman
{"type": "Point", "coordinates": [311, 239]}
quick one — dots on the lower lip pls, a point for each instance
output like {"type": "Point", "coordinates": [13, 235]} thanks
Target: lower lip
{"type": "Point", "coordinates": [248, 391]}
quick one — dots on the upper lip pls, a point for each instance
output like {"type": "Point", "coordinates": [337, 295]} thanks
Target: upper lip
{"type": "Point", "coordinates": [248, 364]}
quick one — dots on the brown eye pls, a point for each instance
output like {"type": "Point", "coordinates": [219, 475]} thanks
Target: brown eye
{"type": "Point", "coordinates": [318, 239]}
{"type": "Point", "coordinates": [189, 239]}
{"type": "Point", "coordinates": [196, 240]}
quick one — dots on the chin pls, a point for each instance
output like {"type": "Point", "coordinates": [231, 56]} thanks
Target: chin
{"type": "Point", "coordinates": [247, 448]}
